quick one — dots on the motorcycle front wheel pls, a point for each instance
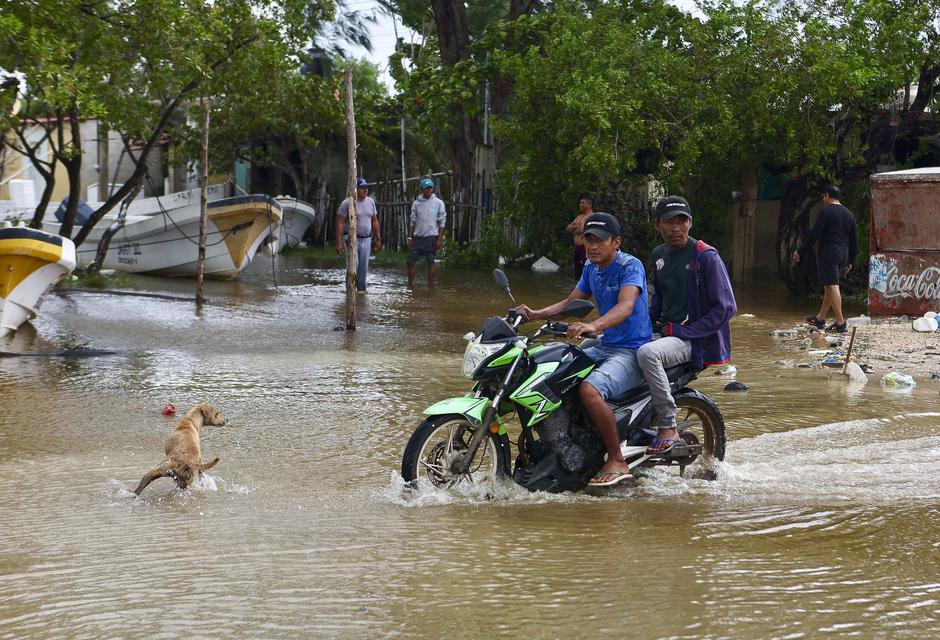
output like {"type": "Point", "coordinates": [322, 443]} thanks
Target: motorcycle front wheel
{"type": "Point", "coordinates": [435, 443]}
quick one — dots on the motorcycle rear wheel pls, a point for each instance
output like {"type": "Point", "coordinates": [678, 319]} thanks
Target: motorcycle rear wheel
{"type": "Point", "coordinates": [440, 437]}
{"type": "Point", "coordinates": [704, 425]}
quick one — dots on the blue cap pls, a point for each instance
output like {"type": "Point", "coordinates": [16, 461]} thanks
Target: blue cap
{"type": "Point", "coordinates": [427, 182]}
{"type": "Point", "coordinates": [362, 184]}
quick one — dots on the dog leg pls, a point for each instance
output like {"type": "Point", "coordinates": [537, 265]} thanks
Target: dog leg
{"type": "Point", "coordinates": [202, 466]}
{"type": "Point", "coordinates": [162, 470]}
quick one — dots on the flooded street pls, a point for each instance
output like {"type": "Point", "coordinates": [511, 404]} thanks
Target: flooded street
{"type": "Point", "coordinates": [825, 521]}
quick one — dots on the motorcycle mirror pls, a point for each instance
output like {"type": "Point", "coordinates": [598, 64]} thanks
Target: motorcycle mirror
{"type": "Point", "coordinates": [503, 282]}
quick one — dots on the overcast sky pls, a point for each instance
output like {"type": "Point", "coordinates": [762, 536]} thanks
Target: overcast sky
{"type": "Point", "coordinates": [383, 34]}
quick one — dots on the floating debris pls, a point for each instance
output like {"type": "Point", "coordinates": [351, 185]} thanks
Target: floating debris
{"type": "Point", "coordinates": [727, 370]}
{"type": "Point", "coordinates": [895, 379]}
{"type": "Point", "coordinates": [736, 386]}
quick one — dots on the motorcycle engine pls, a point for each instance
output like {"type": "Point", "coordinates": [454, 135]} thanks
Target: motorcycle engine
{"type": "Point", "coordinates": [561, 458]}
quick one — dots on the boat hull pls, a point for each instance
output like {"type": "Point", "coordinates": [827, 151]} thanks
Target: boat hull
{"type": "Point", "coordinates": [31, 262]}
{"type": "Point", "coordinates": [168, 243]}
{"type": "Point", "coordinates": [297, 216]}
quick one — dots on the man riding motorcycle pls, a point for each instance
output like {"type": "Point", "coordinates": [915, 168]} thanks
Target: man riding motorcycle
{"type": "Point", "coordinates": [617, 282]}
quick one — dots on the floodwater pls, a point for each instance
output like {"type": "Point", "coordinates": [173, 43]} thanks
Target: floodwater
{"type": "Point", "coordinates": [825, 521]}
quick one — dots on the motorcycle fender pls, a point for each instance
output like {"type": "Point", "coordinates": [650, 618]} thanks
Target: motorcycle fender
{"type": "Point", "coordinates": [467, 406]}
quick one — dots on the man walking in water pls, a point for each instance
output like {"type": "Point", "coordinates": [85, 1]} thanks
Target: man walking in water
{"type": "Point", "coordinates": [692, 306]}
{"type": "Point", "coordinates": [576, 229]}
{"type": "Point", "coordinates": [426, 233]}
{"type": "Point", "coordinates": [367, 227]}
{"type": "Point", "coordinates": [617, 282]}
{"type": "Point", "coordinates": [838, 246]}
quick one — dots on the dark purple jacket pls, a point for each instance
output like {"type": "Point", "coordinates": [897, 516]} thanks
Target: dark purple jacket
{"type": "Point", "coordinates": [711, 307]}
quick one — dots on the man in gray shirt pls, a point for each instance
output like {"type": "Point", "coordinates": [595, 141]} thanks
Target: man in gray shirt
{"type": "Point", "coordinates": [367, 226]}
{"type": "Point", "coordinates": [426, 233]}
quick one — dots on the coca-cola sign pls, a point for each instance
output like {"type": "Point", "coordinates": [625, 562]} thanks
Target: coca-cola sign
{"type": "Point", "coordinates": [903, 283]}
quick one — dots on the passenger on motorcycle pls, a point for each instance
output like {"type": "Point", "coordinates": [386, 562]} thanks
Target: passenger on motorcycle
{"type": "Point", "coordinates": [692, 303]}
{"type": "Point", "coordinates": [617, 282]}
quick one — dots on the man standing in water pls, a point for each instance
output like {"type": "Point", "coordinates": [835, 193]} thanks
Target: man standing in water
{"type": "Point", "coordinates": [838, 246]}
{"type": "Point", "coordinates": [617, 282]}
{"type": "Point", "coordinates": [693, 303]}
{"type": "Point", "coordinates": [576, 229]}
{"type": "Point", "coordinates": [426, 233]}
{"type": "Point", "coordinates": [367, 226]}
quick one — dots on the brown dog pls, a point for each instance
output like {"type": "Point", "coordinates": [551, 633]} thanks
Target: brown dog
{"type": "Point", "coordinates": [183, 460]}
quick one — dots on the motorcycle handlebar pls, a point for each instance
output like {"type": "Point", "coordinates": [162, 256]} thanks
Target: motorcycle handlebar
{"type": "Point", "coordinates": [561, 328]}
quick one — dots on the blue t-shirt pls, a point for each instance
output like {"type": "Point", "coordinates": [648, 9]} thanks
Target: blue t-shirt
{"type": "Point", "coordinates": [604, 285]}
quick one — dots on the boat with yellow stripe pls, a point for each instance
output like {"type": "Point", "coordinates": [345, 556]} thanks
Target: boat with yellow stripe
{"type": "Point", "coordinates": [31, 262]}
{"type": "Point", "coordinates": [167, 242]}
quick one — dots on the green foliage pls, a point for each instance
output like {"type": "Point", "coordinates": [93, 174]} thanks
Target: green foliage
{"type": "Point", "coordinates": [486, 250]}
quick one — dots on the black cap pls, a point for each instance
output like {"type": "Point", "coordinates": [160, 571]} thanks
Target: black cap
{"type": "Point", "coordinates": [602, 225]}
{"type": "Point", "coordinates": [672, 206]}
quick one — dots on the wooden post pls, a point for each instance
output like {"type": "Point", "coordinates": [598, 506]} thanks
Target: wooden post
{"type": "Point", "coordinates": [352, 255]}
{"type": "Point", "coordinates": [203, 200]}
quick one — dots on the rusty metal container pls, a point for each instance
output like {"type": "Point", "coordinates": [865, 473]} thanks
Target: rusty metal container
{"type": "Point", "coordinates": [904, 270]}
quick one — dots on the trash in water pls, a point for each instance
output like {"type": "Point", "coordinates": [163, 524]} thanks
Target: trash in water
{"type": "Point", "coordinates": [895, 379]}
{"type": "Point", "coordinates": [736, 386]}
{"type": "Point", "coordinates": [858, 321]}
{"type": "Point", "coordinates": [925, 325]}
{"type": "Point", "coordinates": [855, 373]}
{"type": "Point", "coordinates": [727, 370]}
{"type": "Point", "coordinates": [806, 342]}
{"type": "Point", "coordinates": [833, 361]}
{"type": "Point", "coordinates": [746, 315]}
{"type": "Point", "coordinates": [930, 314]}
{"type": "Point", "coordinates": [545, 265]}
{"type": "Point", "coordinates": [169, 409]}
{"type": "Point", "coordinates": [783, 333]}
{"type": "Point", "coordinates": [833, 341]}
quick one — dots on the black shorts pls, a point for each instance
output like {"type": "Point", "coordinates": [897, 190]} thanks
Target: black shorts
{"type": "Point", "coordinates": [422, 247]}
{"type": "Point", "coordinates": [832, 259]}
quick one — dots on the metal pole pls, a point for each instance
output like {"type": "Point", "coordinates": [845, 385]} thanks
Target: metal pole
{"type": "Point", "coordinates": [404, 193]}
{"type": "Point", "coordinates": [203, 200]}
{"type": "Point", "coordinates": [352, 255]}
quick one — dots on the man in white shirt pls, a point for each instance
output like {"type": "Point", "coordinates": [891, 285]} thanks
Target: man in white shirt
{"type": "Point", "coordinates": [426, 233]}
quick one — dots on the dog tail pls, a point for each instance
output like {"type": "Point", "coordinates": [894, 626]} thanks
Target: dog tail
{"type": "Point", "coordinates": [206, 465]}
{"type": "Point", "coordinates": [162, 470]}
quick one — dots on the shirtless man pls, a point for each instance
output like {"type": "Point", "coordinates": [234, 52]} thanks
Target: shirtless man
{"type": "Point", "coordinates": [576, 229]}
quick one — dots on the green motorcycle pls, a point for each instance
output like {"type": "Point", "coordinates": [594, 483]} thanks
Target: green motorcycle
{"type": "Point", "coordinates": [465, 439]}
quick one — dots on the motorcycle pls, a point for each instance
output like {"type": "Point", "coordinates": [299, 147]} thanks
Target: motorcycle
{"type": "Point", "coordinates": [558, 449]}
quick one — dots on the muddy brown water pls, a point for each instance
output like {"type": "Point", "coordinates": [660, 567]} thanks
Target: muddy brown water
{"type": "Point", "coordinates": [825, 521]}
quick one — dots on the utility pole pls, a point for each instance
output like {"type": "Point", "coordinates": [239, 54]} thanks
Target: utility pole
{"type": "Point", "coordinates": [203, 203]}
{"type": "Point", "coordinates": [352, 254]}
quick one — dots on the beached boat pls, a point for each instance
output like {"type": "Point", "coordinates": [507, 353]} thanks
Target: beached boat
{"type": "Point", "coordinates": [31, 262]}
{"type": "Point", "coordinates": [166, 242]}
{"type": "Point", "coordinates": [297, 216]}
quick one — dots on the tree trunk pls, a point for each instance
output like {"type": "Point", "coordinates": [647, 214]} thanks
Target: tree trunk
{"type": "Point", "coordinates": [795, 204]}
{"type": "Point", "coordinates": [352, 255]}
{"type": "Point", "coordinates": [203, 204]}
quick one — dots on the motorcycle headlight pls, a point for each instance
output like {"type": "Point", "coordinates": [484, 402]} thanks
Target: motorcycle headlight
{"type": "Point", "coordinates": [477, 353]}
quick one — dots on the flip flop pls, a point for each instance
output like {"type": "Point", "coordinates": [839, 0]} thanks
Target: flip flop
{"type": "Point", "coordinates": [618, 477]}
{"type": "Point", "coordinates": [662, 445]}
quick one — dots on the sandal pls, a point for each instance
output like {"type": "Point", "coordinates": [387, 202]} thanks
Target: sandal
{"type": "Point", "coordinates": [662, 445]}
{"type": "Point", "coordinates": [816, 322]}
{"type": "Point", "coordinates": [618, 477]}
{"type": "Point", "coordinates": [838, 328]}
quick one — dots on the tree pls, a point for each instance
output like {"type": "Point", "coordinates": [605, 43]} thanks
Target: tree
{"type": "Point", "coordinates": [135, 64]}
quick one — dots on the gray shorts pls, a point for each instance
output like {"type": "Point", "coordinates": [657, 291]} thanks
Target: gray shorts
{"type": "Point", "coordinates": [422, 247]}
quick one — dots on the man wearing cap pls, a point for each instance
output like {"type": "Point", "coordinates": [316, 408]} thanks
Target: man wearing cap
{"type": "Point", "coordinates": [617, 282]}
{"type": "Point", "coordinates": [692, 303]}
{"type": "Point", "coordinates": [426, 233]}
{"type": "Point", "coordinates": [367, 227]}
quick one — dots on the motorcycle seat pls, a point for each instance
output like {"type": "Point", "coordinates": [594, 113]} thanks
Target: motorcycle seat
{"type": "Point", "coordinates": [680, 374]}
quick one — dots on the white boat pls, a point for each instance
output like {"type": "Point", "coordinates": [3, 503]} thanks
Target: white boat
{"type": "Point", "coordinates": [31, 262]}
{"type": "Point", "coordinates": [166, 242]}
{"type": "Point", "coordinates": [297, 216]}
